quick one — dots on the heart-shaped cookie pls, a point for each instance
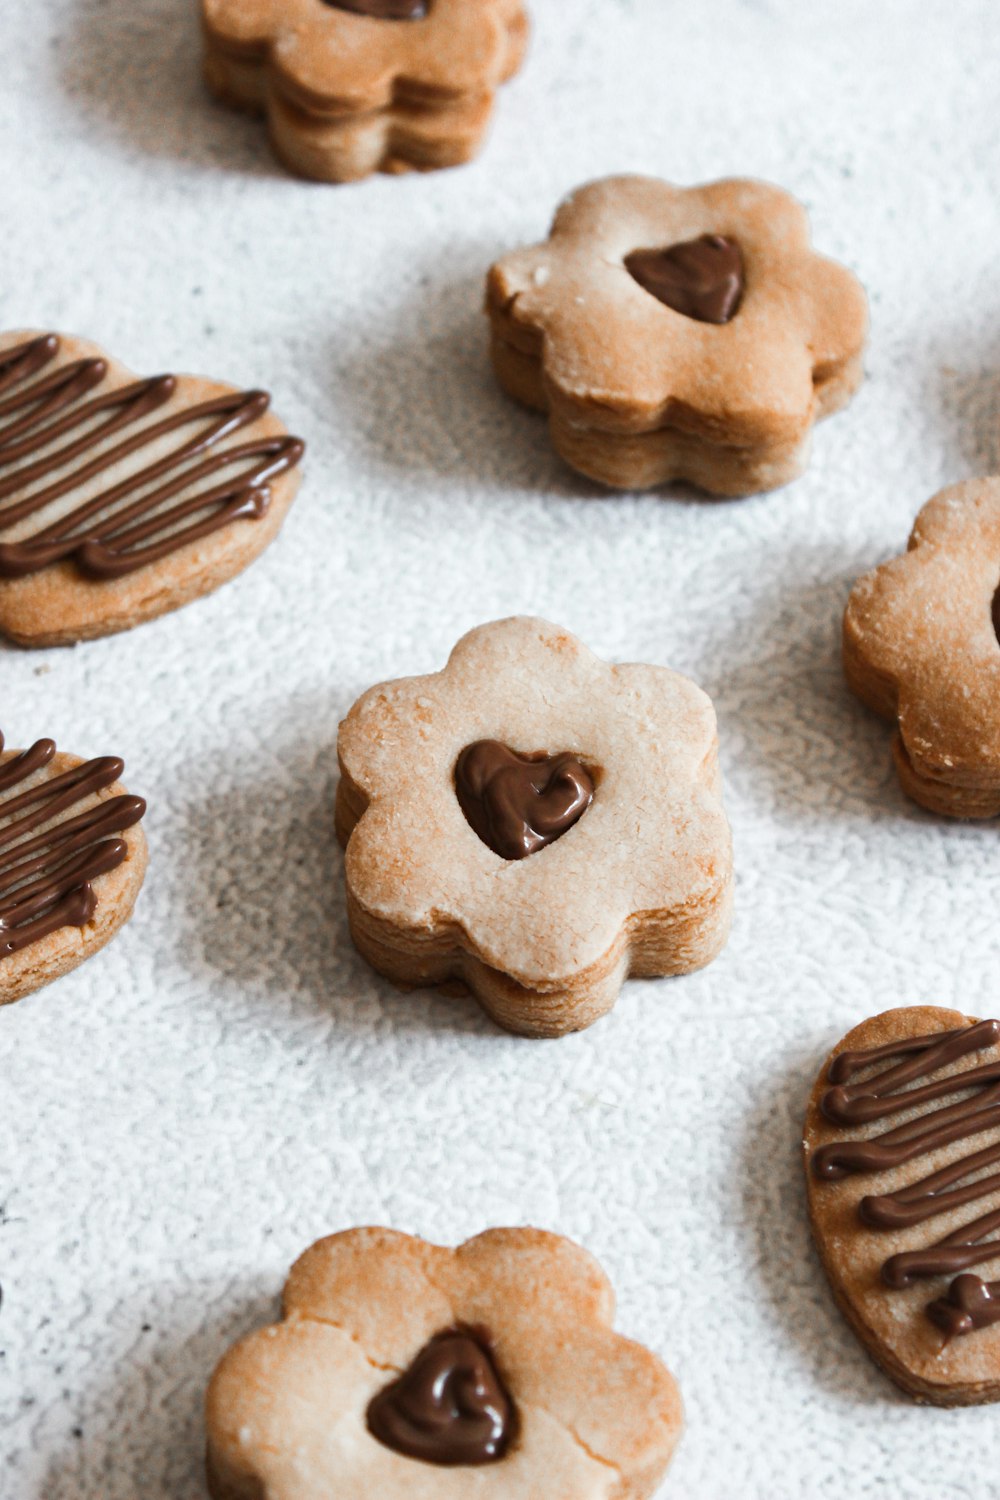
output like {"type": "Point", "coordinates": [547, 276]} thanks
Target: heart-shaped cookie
{"type": "Point", "coordinates": [519, 803]}
{"type": "Point", "coordinates": [702, 279]}
{"type": "Point", "coordinates": [902, 1157]}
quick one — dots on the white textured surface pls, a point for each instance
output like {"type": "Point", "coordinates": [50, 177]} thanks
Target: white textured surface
{"type": "Point", "coordinates": [183, 1115]}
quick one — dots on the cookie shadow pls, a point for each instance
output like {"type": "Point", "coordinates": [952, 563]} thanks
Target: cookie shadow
{"type": "Point", "coordinates": [132, 72]}
{"type": "Point", "coordinates": [143, 1433]}
{"type": "Point", "coordinates": [785, 1269]}
{"type": "Point", "coordinates": [421, 399]}
{"type": "Point", "coordinates": [260, 894]}
{"type": "Point", "coordinates": [968, 403]}
{"type": "Point", "coordinates": [795, 741]}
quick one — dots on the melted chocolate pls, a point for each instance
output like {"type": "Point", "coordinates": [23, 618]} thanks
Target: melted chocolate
{"type": "Point", "coordinates": [996, 615]}
{"type": "Point", "coordinates": [59, 433]}
{"type": "Point", "coordinates": [971, 1303]}
{"type": "Point", "coordinates": [450, 1406]}
{"type": "Point", "coordinates": [704, 279]}
{"type": "Point", "coordinates": [519, 803]}
{"type": "Point", "coordinates": [384, 10]}
{"type": "Point", "coordinates": [46, 871]}
{"type": "Point", "coordinates": [889, 1093]}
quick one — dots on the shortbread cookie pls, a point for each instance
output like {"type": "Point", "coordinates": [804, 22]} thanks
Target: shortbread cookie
{"type": "Point", "coordinates": [535, 824]}
{"type": "Point", "coordinates": [352, 87]}
{"type": "Point", "coordinates": [123, 498]}
{"type": "Point", "coordinates": [679, 334]}
{"type": "Point", "coordinates": [921, 647]}
{"type": "Point", "coordinates": [902, 1145]}
{"type": "Point", "coordinates": [404, 1369]}
{"type": "Point", "coordinates": [72, 861]}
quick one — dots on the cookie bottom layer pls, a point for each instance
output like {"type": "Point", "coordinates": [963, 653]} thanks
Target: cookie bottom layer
{"type": "Point", "coordinates": [653, 944]}
{"type": "Point", "coordinates": [941, 796]}
{"type": "Point", "coordinates": [968, 797]}
{"type": "Point", "coordinates": [645, 460]}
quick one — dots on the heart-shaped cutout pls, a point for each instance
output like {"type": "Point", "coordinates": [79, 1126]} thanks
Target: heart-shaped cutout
{"type": "Point", "coordinates": [902, 1147]}
{"type": "Point", "coordinates": [518, 804]}
{"type": "Point", "coordinates": [450, 1406]}
{"type": "Point", "coordinates": [384, 10]}
{"type": "Point", "coordinates": [704, 278]}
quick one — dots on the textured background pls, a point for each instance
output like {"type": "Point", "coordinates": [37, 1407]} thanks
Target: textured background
{"type": "Point", "coordinates": [228, 1081]}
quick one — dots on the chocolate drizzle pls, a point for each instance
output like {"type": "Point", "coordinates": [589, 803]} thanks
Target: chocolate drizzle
{"type": "Point", "coordinates": [450, 1406]}
{"type": "Point", "coordinates": [887, 1093]}
{"type": "Point", "coordinates": [48, 860]}
{"type": "Point", "coordinates": [384, 10]}
{"type": "Point", "coordinates": [703, 279]}
{"type": "Point", "coordinates": [59, 434]}
{"type": "Point", "coordinates": [518, 804]}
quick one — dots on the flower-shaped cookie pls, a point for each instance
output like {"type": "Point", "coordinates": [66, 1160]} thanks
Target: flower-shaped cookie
{"type": "Point", "coordinates": [535, 823]}
{"type": "Point", "coordinates": [352, 87]}
{"type": "Point", "coordinates": [921, 648]}
{"type": "Point", "coordinates": [402, 1368]}
{"type": "Point", "coordinates": [679, 334]}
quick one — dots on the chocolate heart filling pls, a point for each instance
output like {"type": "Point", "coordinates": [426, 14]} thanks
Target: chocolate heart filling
{"type": "Point", "coordinates": [519, 803]}
{"type": "Point", "coordinates": [702, 279]}
{"type": "Point", "coordinates": [384, 10]}
{"type": "Point", "coordinates": [450, 1406]}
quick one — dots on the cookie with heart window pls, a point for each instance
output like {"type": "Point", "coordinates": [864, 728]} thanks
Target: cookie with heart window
{"type": "Point", "coordinates": [902, 1158]}
{"type": "Point", "coordinates": [351, 87]}
{"type": "Point", "coordinates": [72, 862]}
{"type": "Point", "coordinates": [534, 825]}
{"type": "Point", "coordinates": [670, 333]}
{"type": "Point", "coordinates": [121, 497]}
{"type": "Point", "coordinates": [402, 1368]}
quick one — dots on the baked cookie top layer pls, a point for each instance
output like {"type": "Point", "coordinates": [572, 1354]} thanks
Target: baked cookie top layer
{"type": "Point", "coordinates": [650, 836]}
{"type": "Point", "coordinates": [338, 59]}
{"type": "Point", "coordinates": [289, 1408]}
{"type": "Point", "coordinates": [704, 309]}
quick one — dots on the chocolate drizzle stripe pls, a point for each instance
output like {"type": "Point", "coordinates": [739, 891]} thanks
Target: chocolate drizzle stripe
{"type": "Point", "coordinates": [48, 861]}
{"type": "Point", "coordinates": [969, 1305]}
{"type": "Point", "coordinates": [105, 535]}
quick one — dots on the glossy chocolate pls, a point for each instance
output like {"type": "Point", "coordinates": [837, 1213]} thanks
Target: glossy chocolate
{"type": "Point", "coordinates": [970, 1303]}
{"type": "Point", "coordinates": [450, 1406]}
{"type": "Point", "coordinates": [704, 278]}
{"type": "Point", "coordinates": [996, 615]}
{"type": "Point", "coordinates": [59, 433]}
{"type": "Point", "coordinates": [519, 803]}
{"type": "Point", "coordinates": [896, 1091]}
{"type": "Point", "coordinates": [384, 10]}
{"type": "Point", "coordinates": [46, 872]}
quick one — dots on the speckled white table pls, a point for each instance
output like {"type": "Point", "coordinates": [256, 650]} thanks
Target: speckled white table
{"type": "Point", "coordinates": [228, 1081]}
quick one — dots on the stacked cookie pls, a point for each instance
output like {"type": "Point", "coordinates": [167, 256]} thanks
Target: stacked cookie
{"type": "Point", "coordinates": [351, 87]}
{"type": "Point", "coordinates": [537, 847]}
{"type": "Point", "coordinates": [921, 647]}
{"type": "Point", "coordinates": [679, 334]}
